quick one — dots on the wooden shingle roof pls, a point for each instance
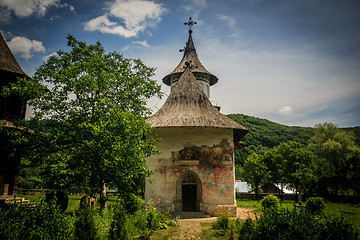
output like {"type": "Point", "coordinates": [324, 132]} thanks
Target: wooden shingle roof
{"type": "Point", "coordinates": [8, 62]}
{"type": "Point", "coordinates": [188, 106]}
{"type": "Point", "coordinates": [190, 55]}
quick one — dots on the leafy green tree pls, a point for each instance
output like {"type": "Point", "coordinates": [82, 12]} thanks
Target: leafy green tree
{"type": "Point", "coordinates": [255, 172]}
{"type": "Point", "coordinates": [296, 167]}
{"type": "Point", "coordinates": [338, 158]}
{"type": "Point", "coordinates": [89, 124]}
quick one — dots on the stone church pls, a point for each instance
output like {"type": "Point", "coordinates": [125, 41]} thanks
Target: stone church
{"type": "Point", "coordinates": [195, 170]}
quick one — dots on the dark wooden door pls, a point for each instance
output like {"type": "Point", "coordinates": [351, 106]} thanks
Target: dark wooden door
{"type": "Point", "coordinates": [189, 197]}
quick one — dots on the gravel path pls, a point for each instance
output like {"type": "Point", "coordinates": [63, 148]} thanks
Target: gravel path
{"type": "Point", "coordinates": [191, 229]}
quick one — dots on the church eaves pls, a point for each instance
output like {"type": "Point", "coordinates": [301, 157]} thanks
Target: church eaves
{"type": "Point", "coordinates": [188, 106]}
{"type": "Point", "coordinates": [8, 62]}
{"type": "Point", "coordinates": [190, 55]}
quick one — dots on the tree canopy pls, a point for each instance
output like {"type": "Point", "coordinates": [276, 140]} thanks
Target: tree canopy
{"type": "Point", "coordinates": [338, 164]}
{"type": "Point", "coordinates": [89, 125]}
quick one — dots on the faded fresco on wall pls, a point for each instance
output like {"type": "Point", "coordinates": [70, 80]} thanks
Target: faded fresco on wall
{"type": "Point", "coordinates": [215, 156]}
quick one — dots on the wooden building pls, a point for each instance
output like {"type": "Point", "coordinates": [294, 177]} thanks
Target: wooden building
{"type": "Point", "coordinates": [195, 170]}
{"type": "Point", "coordinates": [12, 108]}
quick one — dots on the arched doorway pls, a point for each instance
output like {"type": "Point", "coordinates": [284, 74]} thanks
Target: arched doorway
{"type": "Point", "coordinates": [188, 191]}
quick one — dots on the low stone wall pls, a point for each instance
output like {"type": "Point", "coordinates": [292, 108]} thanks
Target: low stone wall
{"type": "Point", "coordinates": [44, 191]}
{"type": "Point", "coordinates": [252, 196]}
{"type": "Point", "coordinates": [33, 191]}
{"type": "Point", "coordinates": [214, 211]}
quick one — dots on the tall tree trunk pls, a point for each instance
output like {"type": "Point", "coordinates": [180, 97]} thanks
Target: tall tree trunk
{"type": "Point", "coordinates": [257, 193]}
{"type": "Point", "coordinates": [103, 199]}
{"type": "Point", "coordinates": [299, 195]}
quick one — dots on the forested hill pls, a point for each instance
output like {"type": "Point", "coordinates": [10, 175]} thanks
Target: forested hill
{"type": "Point", "coordinates": [264, 135]}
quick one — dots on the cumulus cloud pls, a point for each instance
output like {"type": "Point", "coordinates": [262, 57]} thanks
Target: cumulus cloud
{"type": "Point", "coordinates": [287, 110]}
{"type": "Point", "coordinates": [26, 8]}
{"type": "Point", "coordinates": [142, 43]}
{"type": "Point", "coordinates": [229, 20]}
{"type": "Point", "coordinates": [45, 58]}
{"type": "Point", "coordinates": [136, 15]}
{"type": "Point", "coordinates": [104, 25]}
{"type": "Point", "coordinates": [25, 46]}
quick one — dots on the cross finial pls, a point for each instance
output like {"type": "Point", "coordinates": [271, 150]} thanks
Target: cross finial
{"type": "Point", "coordinates": [190, 65]}
{"type": "Point", "coordinates": [190, 23]}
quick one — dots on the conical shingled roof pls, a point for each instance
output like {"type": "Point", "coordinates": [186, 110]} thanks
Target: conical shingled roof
{"type": "Point", "coordinates": [8, 62]}
{"type": "Point", "coordinates": [188, 106]}
{"type": "Point", "coordinates": [190, 55]}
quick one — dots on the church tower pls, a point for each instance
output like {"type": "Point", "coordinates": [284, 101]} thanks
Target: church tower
{"type": "Point", "coordinates": [195, 170]}
{"type": "Point", "coordinates": [203, 76]}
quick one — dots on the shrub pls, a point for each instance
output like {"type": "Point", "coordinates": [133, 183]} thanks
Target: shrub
{"type": "Point", "coordinates": [222, 222]}
{"type": "Point", "coordinates": [144, 222]}
{"type": "Point", "coordinates": [132, 203]}
{"type": "Point", "coordinates": [118, 229]}
{"type": "Point", "coordinates": [44, 222]}
{"type": "Point", "coordinates": [248, 230]}
{"type": "Point", "coordinates": [315, 205]}
{"type": "Point", "coordinates": [61, 198]}
{"type": "Point", "coordinates": [85, 228]}
{"type": "Point", "coordinates": [290, 224]}
{"type": "Point", "coordinates": [270, 202]}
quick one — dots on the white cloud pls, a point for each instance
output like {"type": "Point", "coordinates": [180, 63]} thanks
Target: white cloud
{"type": "Point", "coordinates": [287, 110]}
{"type": "Point", "coordinates": [137, 15]}
{"type": "Point", "coordinates": [26, 8]}
{"type": "Point", "coordinates": [104, 25]}
{"type": "Point", "coordinates": [45, 58]}
{"type": "Point", "coordinates": [193, 7]}
{"type": "Point", "coordinates": [229, 20]}
{"type": "Point", "coordinates": [25, 46]}
{"type": "Point", "coordinates": [142, 43]}
{"type": "Point", "coordinates": [5, 15]}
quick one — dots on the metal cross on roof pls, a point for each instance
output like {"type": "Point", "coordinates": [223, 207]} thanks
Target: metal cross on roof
{"type": "Point", "coordinates": [190, 65]}
{"type": "Point", "coordinates": [190, 23]}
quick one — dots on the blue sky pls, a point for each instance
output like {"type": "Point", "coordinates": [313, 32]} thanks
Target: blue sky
{"type": "Point", "coordinates": [292, 62]}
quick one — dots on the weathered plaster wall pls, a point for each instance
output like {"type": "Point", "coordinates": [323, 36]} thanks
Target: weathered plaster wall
{"type": "Point", "coordinates": [206, 152]}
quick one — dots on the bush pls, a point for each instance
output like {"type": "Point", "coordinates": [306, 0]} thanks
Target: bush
{"type": "Point", "coordinates": [118, 228]}
{"type": "Point", "coordinates": [144, 222]}
{"type": "Point", "coordinates": [132, 203]}
{"type": "Point", "coordinates": [61, 198]}
{"type": "Point", "coordinates": [85, 228]}
{"type": "Point", "coordinates": [315, 205]}
{"type": "Point", "coordinates": [44, 222]}
{"type": "Point", "coordinates": [222, 222]}
{"type": "Point", "coordinates": [289, 224]}
{"type": "Point", "coordinates": [270, 202]}
{"type": "Point", "coordinates": [248, 230]}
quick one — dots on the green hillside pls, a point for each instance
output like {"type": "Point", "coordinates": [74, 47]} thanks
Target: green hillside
{"type": "Point", "coordinates": [265, 134]}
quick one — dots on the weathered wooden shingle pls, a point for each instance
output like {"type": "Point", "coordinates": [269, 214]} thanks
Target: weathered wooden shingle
{"type": "Point", "coordinates": [190, 55]}
{"type": "Point", "coordinates": [188, 106]}
{"type": "Point", "coordinates": [8, 62]}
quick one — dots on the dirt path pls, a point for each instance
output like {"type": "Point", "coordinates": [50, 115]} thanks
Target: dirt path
{"type": "Point", "coordinates": [190, 229]}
